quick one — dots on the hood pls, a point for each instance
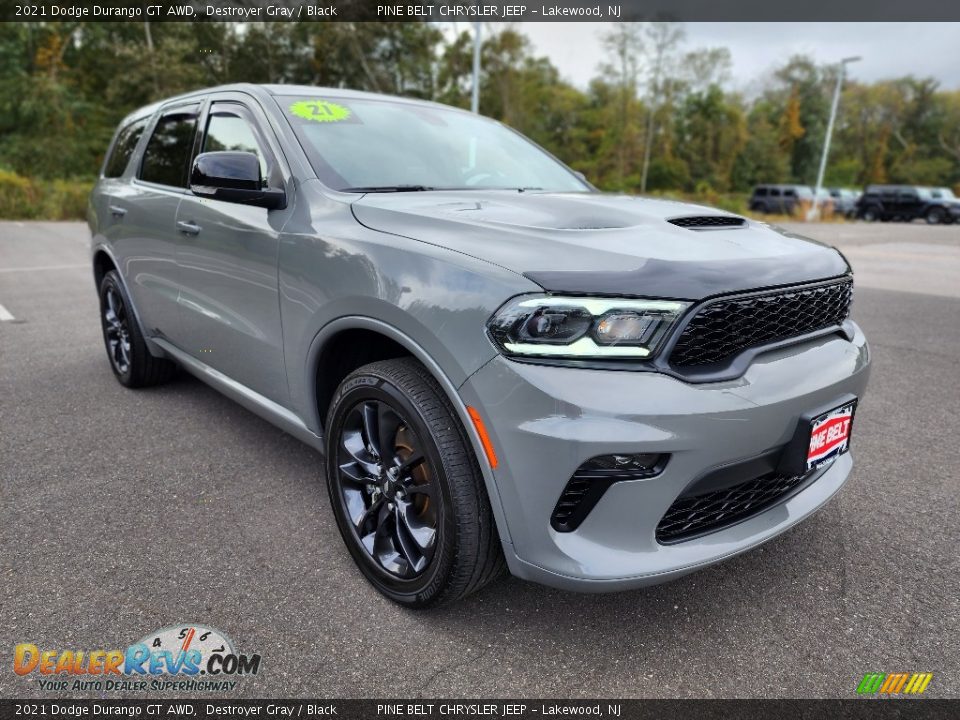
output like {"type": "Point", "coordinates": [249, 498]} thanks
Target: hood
{"type": "Point", "coordinates": [605, 244]}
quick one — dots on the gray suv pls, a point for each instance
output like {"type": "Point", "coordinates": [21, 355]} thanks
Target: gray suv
{"type": "Point", "coordinates": [501, 366]}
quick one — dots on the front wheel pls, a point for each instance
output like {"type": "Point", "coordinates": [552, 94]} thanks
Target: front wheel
{"type": "Point", "coordinates": [935, 216]}
{"type": "Point", "coordinates": [406, 488]}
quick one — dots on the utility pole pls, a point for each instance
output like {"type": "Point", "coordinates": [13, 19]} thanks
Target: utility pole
{"type": "Point", "coordinates": [649, 136]}
{"type": "Point", "coordinates": [475, 97]}
{"type": "Point", "coordinates": [841, 68]}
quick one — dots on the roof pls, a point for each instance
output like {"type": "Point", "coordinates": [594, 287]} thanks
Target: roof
{"type": "Point", "coordinates": [275, 90]}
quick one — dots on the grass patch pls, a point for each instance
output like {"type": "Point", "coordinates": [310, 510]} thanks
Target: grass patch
{"type": "Point", "coordinates": [30, 199]}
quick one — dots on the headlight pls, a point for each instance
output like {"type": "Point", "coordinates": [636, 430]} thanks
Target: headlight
{"type": "Point", "coordinates": [583, 328]}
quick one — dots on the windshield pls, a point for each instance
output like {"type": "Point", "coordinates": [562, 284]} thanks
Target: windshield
{"type": "Point", "coordinates": [377, 145]}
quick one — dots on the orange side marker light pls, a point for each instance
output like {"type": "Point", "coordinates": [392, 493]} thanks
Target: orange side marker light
{"type": "Point", "coordinates": [484, 437]}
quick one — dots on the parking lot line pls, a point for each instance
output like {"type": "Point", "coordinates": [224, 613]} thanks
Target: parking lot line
{"type": "Point", "coordinates": [40, 268]}
{"type": "Point", "coordinates": [5, 315]}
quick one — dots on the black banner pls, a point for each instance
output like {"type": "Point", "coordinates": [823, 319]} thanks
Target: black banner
{"type": "Point", "coordinates": [855, 709]}
{"type": "Point", "coordinates": [480, 10]}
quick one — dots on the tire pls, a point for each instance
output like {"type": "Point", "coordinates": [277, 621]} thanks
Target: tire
{"type": "Point", "coordinates": [871, 214]}
{"type": "Point", "coordinates": [758, 208]}
{"type": "Point", "coordinates": [422, 533]}
{"type": "Point", "coordinates": [130, 360]}
{"type": "Point", "coordinates": [935, 216]}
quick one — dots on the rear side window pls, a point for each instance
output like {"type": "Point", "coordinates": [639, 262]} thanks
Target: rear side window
{"type": "Point", "coordinates": [775, 192]}
{"type": "Point", "coordinates": [760, 192]}
{"type": "Point", "coordinates": [167, 156]}
{"type": "Point", "coordinates": [123, 148]}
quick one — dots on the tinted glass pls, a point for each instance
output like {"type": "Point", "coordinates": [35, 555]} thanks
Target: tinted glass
{"type": "Point", "coordinates": [123, 148]}
{"type": "Point", "coordinates": [355, 143]}
{"type": "Point", "coordinates": [167, 156]}
{"type": "Point", "coordinates": [760, 192]}
{"type": "Point", "coordinates": [775, 192]}
{"type": "Point", "coordinates": [226, 130]}
{"type": "Point", "coordinates": [790, 193]}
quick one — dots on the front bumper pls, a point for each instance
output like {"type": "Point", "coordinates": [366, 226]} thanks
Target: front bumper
{"type": "Point", "coordinates": [545, 421]}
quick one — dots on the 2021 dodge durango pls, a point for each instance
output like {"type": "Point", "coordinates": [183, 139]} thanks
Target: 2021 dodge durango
{"type": "Point", "coordinates": [501, 366]}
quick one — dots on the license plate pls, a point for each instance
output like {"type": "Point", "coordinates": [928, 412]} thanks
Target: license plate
{"type": "Point", "coordinates": [830, 435]}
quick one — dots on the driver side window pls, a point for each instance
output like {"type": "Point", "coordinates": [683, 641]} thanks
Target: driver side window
{"type": "Point", "coordinates": [228, 130]}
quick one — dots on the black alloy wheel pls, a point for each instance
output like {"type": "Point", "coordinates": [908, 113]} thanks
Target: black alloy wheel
{"type": "Point", "coordinates": [387, 488]}
{"type": "Point", "coordinates": [130, 359]}
{"type": "Point", "coordinates": [406, 487]}
{"type": "Point", "coordinates": [116, 331]}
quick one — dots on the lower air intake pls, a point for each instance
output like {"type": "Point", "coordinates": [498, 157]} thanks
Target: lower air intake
{"type": "Point", "coordinates": [691, 516]}
{"type": "Point", "coordinates": [592, 479]}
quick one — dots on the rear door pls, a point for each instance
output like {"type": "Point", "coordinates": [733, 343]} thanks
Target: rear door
{"type": "Point", "coordinates": [227, 260]}
{"type": "Point", "coordinates": [776, 201]}
{"type": "Point", "coordinates": [789, 201]}
{"type": "Point", "coordinates": [909, 204]}
{"type": "Point", "coordinates": [111, 197]}
{"type": "Point", "coordinates": [149, 207]}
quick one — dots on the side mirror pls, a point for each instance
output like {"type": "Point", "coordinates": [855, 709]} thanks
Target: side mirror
{"type": "Point", "coordinates": [233, 177]}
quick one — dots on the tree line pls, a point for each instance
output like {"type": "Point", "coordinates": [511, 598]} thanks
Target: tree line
{"type": "Point", "coordinates": [657, 116]}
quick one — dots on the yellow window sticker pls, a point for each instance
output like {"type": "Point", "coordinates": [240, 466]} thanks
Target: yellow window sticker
{"type": "Point", "coordinates": [320, 111]}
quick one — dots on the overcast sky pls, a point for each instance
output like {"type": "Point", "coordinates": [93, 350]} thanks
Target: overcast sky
{"type": "Point", "coordinates": [888, 49]}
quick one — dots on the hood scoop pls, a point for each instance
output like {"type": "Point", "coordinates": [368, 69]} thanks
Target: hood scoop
{"type": "Point", "coordinates": [708, 222]}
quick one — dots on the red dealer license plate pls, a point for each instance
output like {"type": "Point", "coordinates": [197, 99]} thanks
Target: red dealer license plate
{"type": "Point", "coordinates": [830, 435]}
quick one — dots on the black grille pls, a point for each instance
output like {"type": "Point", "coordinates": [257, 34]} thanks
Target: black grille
{"type": "Point", "coordinates": [695, 222]}
{"type": "Point", "coordinates": [570, 500]}
{"type": "Point", "coordinates": [725, 327]}
{"type": "Point", "coordinates": [588, 484]}
{"type": "Point", "coordinates": [694, 515]}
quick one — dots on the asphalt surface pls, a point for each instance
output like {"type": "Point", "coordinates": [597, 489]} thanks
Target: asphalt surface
{"type": "Point", "coordinates": [124, 512]}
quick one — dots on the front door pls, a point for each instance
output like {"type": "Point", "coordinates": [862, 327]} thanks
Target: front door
{"type": "Point", "coordinates": [227, 259]}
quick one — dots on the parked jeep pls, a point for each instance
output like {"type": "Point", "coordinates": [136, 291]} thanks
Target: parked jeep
{"type": "Point", "coordinates": [907, 203]}
{"type": "Point", "coordinates": [780, 199]}
{"type": "Point", "coordinates": [844, 201]}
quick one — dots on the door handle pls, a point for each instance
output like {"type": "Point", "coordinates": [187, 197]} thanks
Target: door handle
{"type": "Point", "coordinates": [188, 228]}
{"type": "Point", "coordinates": [117, 211]}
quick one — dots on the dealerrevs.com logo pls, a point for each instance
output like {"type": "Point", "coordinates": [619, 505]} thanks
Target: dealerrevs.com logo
{"type": "Point", "coordinates": [187, 657]}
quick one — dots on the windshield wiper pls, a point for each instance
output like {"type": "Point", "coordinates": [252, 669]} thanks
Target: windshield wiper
{"type": "Point", "coordinates": [388, 188]}
{"type": "Point", "coordinates": [508, 189]}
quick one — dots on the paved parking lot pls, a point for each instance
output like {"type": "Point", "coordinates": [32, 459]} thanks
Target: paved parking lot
{"type": "Point", "coordinates": [124, 512]}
